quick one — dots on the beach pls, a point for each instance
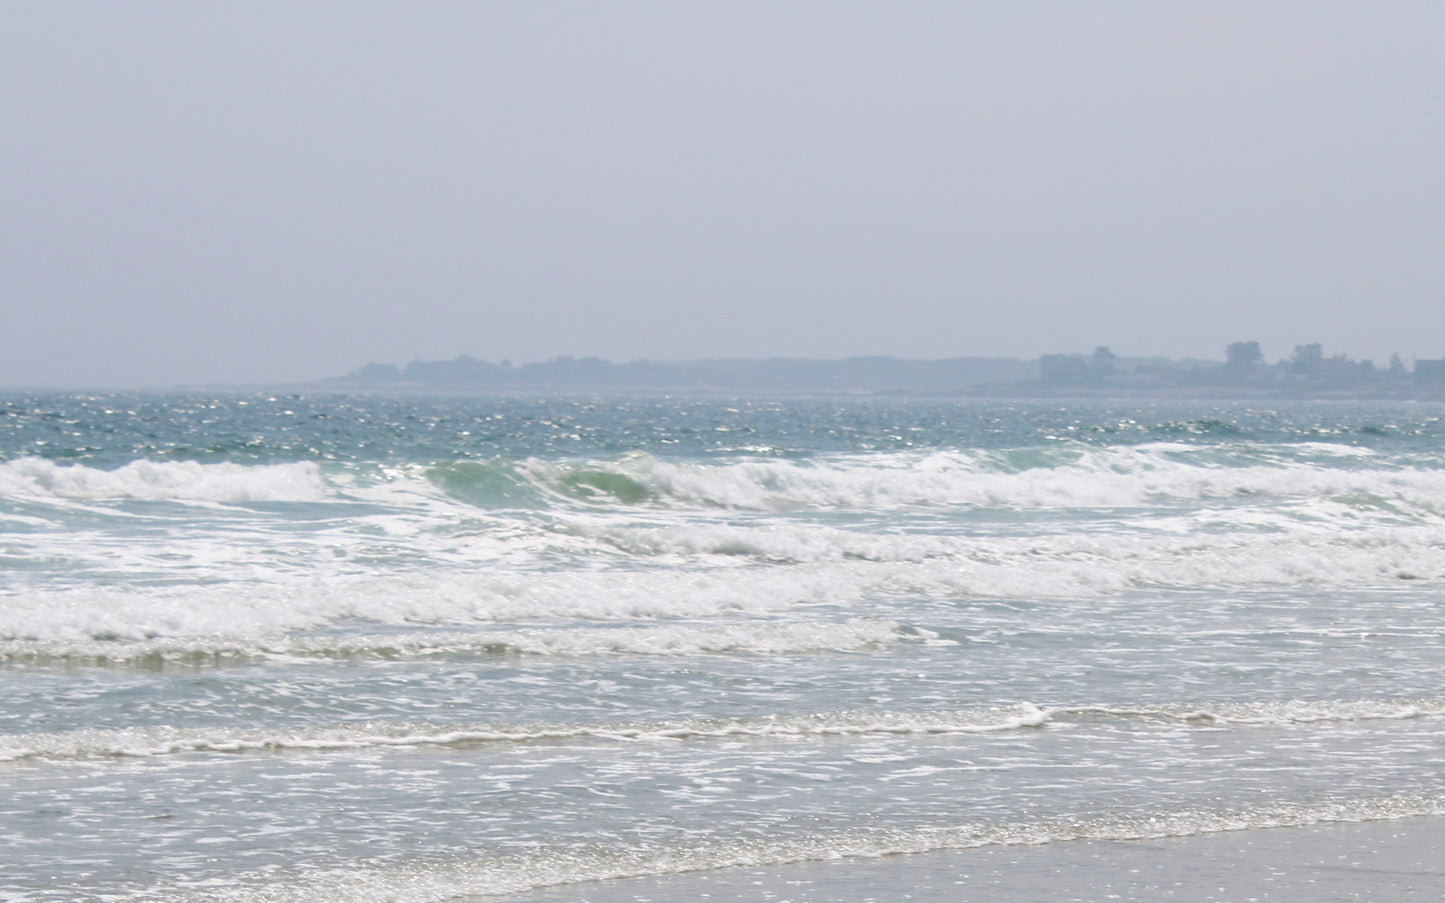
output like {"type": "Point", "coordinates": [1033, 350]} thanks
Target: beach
{"type": "Point", "coordinates": [1328, 863]}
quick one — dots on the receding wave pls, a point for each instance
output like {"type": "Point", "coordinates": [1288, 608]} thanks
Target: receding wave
{"type": "Point", "coordinates": [763, 637]}
{"type": "Point", "coordinates": [1291, 711]}
{"type": "Point", "coordinates": [151, 742]}
{"type": "Point", "coordinates": [166, 741]}
{"type": "Point", "coordinates": [424, 880]}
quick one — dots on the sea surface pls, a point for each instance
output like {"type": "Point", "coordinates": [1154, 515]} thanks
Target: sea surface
{"type": "Point", "coordinates": [296, 647]}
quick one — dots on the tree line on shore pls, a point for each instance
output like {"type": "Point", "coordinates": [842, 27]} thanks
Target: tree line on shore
{"type": "Point", "coordinates": [1306, 370]}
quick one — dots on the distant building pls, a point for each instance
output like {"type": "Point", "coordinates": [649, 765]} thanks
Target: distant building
{"type": "Point", "coordinates": [1430, 371]}
{"type": "Point", "coordinates": [1104, 363]}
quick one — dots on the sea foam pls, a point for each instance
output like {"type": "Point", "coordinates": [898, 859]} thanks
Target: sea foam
{"type": "Point", "coordinates": [165, 741]}
{"type": "Point", "coordinates": [168, 480]}
{"type": "Point", "coordinates": [757, 637]}
{"type": "Point", "coordinates": [428, 880]}
{"type": "Point", "coordinates": [1056, 478]}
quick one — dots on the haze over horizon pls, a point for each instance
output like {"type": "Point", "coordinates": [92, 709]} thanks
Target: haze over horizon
{"type": "Point", "coordinates": [203, 194]}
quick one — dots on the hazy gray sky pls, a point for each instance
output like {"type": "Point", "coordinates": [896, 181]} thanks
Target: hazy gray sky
{"type": "Point", "coordinates": [249, 192]}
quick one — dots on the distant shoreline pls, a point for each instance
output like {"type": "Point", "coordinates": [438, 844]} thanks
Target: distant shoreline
{"type": "Point", "coordinates": [978, 393]}
{"type": "Point", "coordinates": [1308, 374]}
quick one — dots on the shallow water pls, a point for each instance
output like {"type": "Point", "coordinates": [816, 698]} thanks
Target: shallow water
{"type": "Point", "coordinates": [266, 647]}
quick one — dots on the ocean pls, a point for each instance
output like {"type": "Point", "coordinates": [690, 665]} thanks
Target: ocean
{"type": "Point", "coordinates": [321, 647]}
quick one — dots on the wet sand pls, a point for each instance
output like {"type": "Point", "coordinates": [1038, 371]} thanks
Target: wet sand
{"type": "Point", "coordinates": [1383, 860]}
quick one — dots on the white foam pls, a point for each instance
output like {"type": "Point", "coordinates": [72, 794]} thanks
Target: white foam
{"type": "Point", "coordinates": [428, 880]}
{"type": "Point", "coordinates": [1292, 711]}
{"type": "Point", "coordinates": [413, 555]}
{"type": "Point", "coordinates": [1270, 550]}
{"type": "Point", "coordinates": [755, 637]}
{"type": "Point", "coordinates": [164, 741]}
{"type": "Point", "coordinates": [257, 590]}
{"type": "Point", "coordinates": [1068, 478]}
{"type": "Point", "coordinates": [168, 480]}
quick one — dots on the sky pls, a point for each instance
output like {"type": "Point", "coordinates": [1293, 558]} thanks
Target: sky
{"type": "Point", "coordinates": [261, 192]}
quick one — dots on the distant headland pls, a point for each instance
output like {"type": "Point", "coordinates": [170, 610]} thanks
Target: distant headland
{"type": "Point", "coordinates": [1307, 372]}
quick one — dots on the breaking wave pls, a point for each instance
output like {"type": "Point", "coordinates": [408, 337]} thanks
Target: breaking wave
{"type": "Point", "coordinates": [37, 478]}
{"type": "Point", "coordinates": [1032, 478]}
{"type": "Point", "coordinates": [1062, 477]}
